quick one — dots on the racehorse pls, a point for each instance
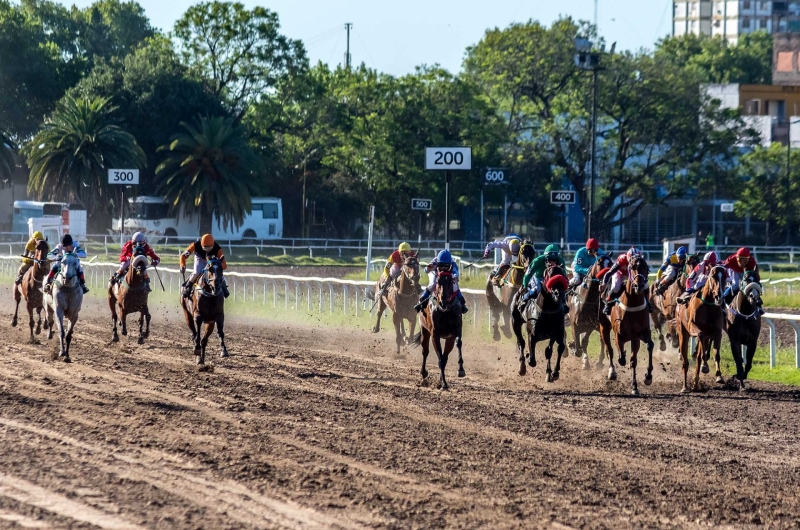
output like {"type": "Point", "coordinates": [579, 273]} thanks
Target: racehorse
{"type": "Point", "coordinates": [441, 319]}
{"type": "Point", "coordinates": [664, 304]}
{"type": "Point", "coordinates": [31, 288]}
{"type": "Point", "coordinates": [585, 310]}
{"type": "Point", "coordinates": [544, 320]}
{"type": "Point", "coordinates": [207, 305]}
{"type": "Point", "coordinates": [64, 301]}
{"type": "Point", "coordinates": [131, 296]}
{"type": "Point", "coordinates": [702, 318]}
{"type": "Point", "coordinates": [631, 323]}
{"type": "Point", "coordinates": [401, 299]}
{"type": "Point", "coordinates": [508, 288]}
{"type": "Point", "coordinates": [743, 326]}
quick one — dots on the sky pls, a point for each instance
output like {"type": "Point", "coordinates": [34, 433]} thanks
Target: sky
{"type": "Point", "coordinates": [396, 36]}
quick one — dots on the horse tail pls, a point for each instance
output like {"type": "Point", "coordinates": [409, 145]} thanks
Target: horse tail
{"type": "Point", "coordinates": [417, 340]}
{"type": "Point", "coordinates": [494, 302]}
{"type": "Point", "coordinates": [370, 294]}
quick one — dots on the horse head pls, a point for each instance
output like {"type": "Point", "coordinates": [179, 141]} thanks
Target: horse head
{"type": "Point", "coordinates": [714, 285]}
{"type": "Point", "coordinates": [138, 267]}
{"type": "Point", "coordinates": [212, 277]}
{"type": "Point", "coordinates": [526, 254]}
{"type": "Point", "coordinates": [69, 269]}
{"type": "Point", "coordinates": [752, 289]}
{"type": "Point", "coordinates": [556, 285]}
{"type": "Point", "coordinates": [637, 275]}
{"type": "Point", "coordinates": [40, 254]}
{"type": "Point", "coordinates": [411, 267]}
{"type": "Point", "coordinates": [445, 289]}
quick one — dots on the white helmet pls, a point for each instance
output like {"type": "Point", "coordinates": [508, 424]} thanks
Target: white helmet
{"type": "Point", "coordinates": [139, 237]}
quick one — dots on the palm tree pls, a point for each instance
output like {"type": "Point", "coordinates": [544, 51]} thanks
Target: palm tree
{"type": "Point", "coordinates": [211, 171]}
{"type": "Point", "coordinates": [70, 156]}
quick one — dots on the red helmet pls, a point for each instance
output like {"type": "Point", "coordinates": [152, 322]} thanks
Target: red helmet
{"type": "Point", "coordinates": [623, 260]}
{"type": "Point", "coordinates": [592, 244]}
{"type": "Point", "coordinates": [743, 252]}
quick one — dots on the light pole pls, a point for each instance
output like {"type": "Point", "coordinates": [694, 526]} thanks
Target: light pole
{"type": "Point", "coordinates": [789, 168]}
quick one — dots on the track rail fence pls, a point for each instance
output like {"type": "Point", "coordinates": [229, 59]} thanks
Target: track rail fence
{"type": "Point", "coordinates": [345, 297]}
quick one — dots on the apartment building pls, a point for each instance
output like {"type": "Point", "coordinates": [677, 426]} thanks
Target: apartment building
{"type": "Point", "coordinates": [732, 18]}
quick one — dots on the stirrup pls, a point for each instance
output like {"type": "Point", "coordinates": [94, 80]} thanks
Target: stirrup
{"type": "Point", "coordinates": [84, 288]}
{"type": "Point", "coordinates": [419, 307]}
{"type": "Point", "coordinates": [464, 309]}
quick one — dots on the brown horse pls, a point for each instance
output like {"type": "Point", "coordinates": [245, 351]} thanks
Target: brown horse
{"type": "Point", "coordinates": [664, 305]}
{"type": "Point", "coordinates": [207, 305]}
{"type": "Point", "coordinates": [585, 311]}
{"type": "Point", "coordinates": [743, 326]}
{"type": "Point", "coordinates": [131, 296]}
{"type": "Point", "coordinates": [631, 323]}
{"type": "Point", "coordinates": [31, 288]}
{"type": "Point", "coordinates": [441, 319]}
{"type": "Point", "coordinates": [544, 320]}
{"type": "Point", "coordinates": [508, 288]}
{"type": "Point", "coordinates": [703, 318]}
{"type": "Point", "coordinates": [400, 298]}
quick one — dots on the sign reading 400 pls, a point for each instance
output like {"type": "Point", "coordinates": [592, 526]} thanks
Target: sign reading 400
{"type": "Point", "coordinates": [448, 158]}
{"type": "Point", "coordinates": [125, 177]}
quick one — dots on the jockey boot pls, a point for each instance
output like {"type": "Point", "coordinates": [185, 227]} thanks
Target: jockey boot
{"type": "Point", "coordinates": [531, 293]}
{"type": "Point", "coordinates": [607, 307]}
{"type": "Point", "coordinates": [225, 292]}
{"type": "Point", "coordinates": [19, 279]}
{"type": "Point", "coordinates": [147, 284]}
{"type": "Point", "coordinates": [187, 290]}
{"type": "Point", "coordinates": [461, 299]}
{"type": "Point", "coordinates": [684, 298]}
{"type": "Point", "coordinates": [84, 288]}
{"type": "Point", "coordinates": [423, 301]}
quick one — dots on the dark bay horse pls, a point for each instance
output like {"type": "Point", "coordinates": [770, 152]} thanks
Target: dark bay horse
{"type": "Point", "coordinates": [400, 298]}
{"type": "Point", "coordinates": [207, 305]}
{"type": "Point", "coordinates": [31, 289]}
{"type": "Point", "coordinates": [585, 311]}
{"type": "Point", "coordinates": [441, 319]}
{"type": "Point", "coordinates": [544, 320]}
{"type": "Point", "coordinates": [664, 304]}
{"type": "Point", "coordinates": [630, 322]}
{"type": "Point", "coordinates": [703, 318]}
{"type": "Point", "coordinates": [501, 306]}
{"type": "Point", "coordinates": [131, 296]}
{"type": "Point", "coordinates": [743, 326]}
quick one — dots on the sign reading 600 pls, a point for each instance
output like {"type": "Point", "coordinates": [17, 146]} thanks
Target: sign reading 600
{"type": "Point", "coordinates": [495, 175]}
{"type": "Point", "coordinates": [126, 177]}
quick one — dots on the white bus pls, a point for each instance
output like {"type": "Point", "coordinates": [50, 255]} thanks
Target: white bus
{"type": "Point", "coordinates": [151, 216]}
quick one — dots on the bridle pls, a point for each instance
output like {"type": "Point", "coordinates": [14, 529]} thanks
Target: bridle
{"type": "Point", "coordinates": [211, 283]}
{"type": "Point", "coordinates": [714, 286]}
{"type": "Point", "coordinates": [635, 276]}
{"type": "Point", "coordinates": [444, 299]}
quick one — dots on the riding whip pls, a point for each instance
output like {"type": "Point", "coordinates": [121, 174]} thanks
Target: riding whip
{"type": "Point", "coordinates": [472, 264]}
{"type": "Point", "coordinates": [159, 278]}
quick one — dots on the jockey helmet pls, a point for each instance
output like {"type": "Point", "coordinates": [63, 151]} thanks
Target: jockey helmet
{"type": "Point", "coordinates": [513, 245]}
{"type": "Point", "coordinates": [139, 237]}
{"type": "Point", "coordinates": [38, 236]}
{"type": "Point", "coordinates": [623, 260]}
{"type": "Point", "coordinates": [444, 257]}
{"type": "Point", "coordinates": [207, 242]}
{"type": "Point", "coordinates": [743, 252]}
{"type": "Point", "coordinates": [681, 252]}
{"type": "Point", "coordinates": [404, 247]}
{"type": "Point", "coordinates": [633, 251]}
{"type": "Point", "coordinates": [710, 258]}
{"type": "Point", "coordinates": [66, 240]}
{"type": "Point", "coordinates": [592, 244]}
{"type": "Point", "coordinates": [551, 252]}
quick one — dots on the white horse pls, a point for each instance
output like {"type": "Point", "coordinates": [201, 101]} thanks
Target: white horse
{"type": "Point", "coordinates": [64, 300]}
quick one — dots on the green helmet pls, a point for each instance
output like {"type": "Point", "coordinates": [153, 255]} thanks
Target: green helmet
{"type": "Point", "coordinates": [552, 252]}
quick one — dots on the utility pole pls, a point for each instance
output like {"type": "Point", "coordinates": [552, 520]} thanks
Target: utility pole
{"type": "Point", "coordinates": [595, 15]}
{"type": "Point", "coordinates": [347, 58]}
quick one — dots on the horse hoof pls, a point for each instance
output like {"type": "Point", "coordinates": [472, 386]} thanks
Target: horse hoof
{"type": "Point", "coordinates": [705, 369]}
{"type": "Point", "coordinates": [124, 332]}
{"type": "Point", "coordinates": [622, 360]}
{"type": "Point", "coordinates": [376, 329]}
{"type": "Point", "coordinates": [684, 390]}
{"type": "Point", "coordinates": [586, 364]}
{"type": "Point", "coordinates": [496, 336]}
{"type": "Point", "coordinates": [635, 392]}
{"type": "Point", "coordinates": [720, 380]}
{"type": "Point", "coordinates": [556, 375]}
{"type": "Point", "coordinates": [662, 346]}
{"type": "Point", "coordinates": [549, 378]}
{"type": "Point", "coordinates": [424, 374]}
{"type": "Point", "coordinates": [66, 359]}
{"type": "Point", "coordinates": [13, 323]}
{"type": "Point", "coordinates": [224, 354]}
{"type": "Point", "coordinates": [199, 361]}
{"type": "Point", "coordinates": [612, 376]}
{"type": "Point", "coordinates": [141, 340]}
{"type": "Point", "coordinates": [532, 363]}
{"type": "Point", "coordinates": [115, 338]}
{"type": "Point", "coordinates": [648, 380]}
{"type": "Point", "coordinates": [522, 369]}
{"type": "Point", "coordinates": [462, 373]}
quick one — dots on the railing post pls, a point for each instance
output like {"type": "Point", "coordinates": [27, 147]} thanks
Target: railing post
{"type": "Point", "coordinates": [773, 342]}
{"type": "Point", "coordinates": [796, 328]}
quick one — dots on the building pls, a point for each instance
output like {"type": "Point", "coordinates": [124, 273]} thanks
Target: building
{"type": "Point", "coordinates": [732, 18]}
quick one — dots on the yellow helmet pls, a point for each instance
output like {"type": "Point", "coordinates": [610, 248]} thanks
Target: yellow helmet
{"type": "Point", "coordinates": [404, 247]}
{"type": "Point", "coordinates": [38, 236]}
{"type": "Point", "coordinates": [514, 245]}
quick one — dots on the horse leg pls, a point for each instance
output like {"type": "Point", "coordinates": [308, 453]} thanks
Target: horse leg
{"type": "Point", "coordinates": [461, 372]}
{"type": "Point", "coordinates": [448, 347]}
{"type": "Point", "coordinates": [204, 341]}
{"type": "Point", "coordinates": [561, 348]}
{"type": "Point", "coordinates": [532, 348]}
{"type": "Point", "coordinates": [495, 321]}
{"type": "Point", "coordinates": [147, 321]}
{"type": "Point", "coordinates": [198, 352]}
{"type": "Point", "coordinates": [634, 362]}
{"type": "Point", "coordinates": [31, 323]}
{"type": "Point", "coordinates": [621, 347]}
{"type": "Point", "coordinates": [684, 349]}
{"type": "Point", "coordinates": [698, 364]}
{"type": "Point", "coordinates": [61, 334]}
{"type": "Point", "coordinates": [736, 352]}
{"type": "Point", "coordinates": [507, 322]}
{"type": "Point", "coordinates": [72, 322]}
{"type": "Point", "coordinates": [648, 378]}
{"type": "Point", "coordinates": [605, 339]}
{"type": "Point", "coordinates": [381, 309]}
{"type": "Point", "coordinates": [397, 320]}
{"type": "Point", "coordinates": [548, 354]}
{"type": "Point", "coordinates": [655, 317]}
{"type": "Point", "coordinates": [412, 327]}
{"type": "Point", "coordinates": [140, 340]}
{"type": "Point", "coordinates": [585, 348]}
{"type": "Point", "coordinates": [437, 347]}
{"type": "Point", "coordinates": [517, 325]}
{"type": "Point", "coordinates": [49, 315]}
{"type": "Point", "coordinates": [426, 343]}
{"type": "Point", "coordinates": [124, 317]}
{"type": "Point", "coordinates": [751, 352]}
{"type": "Point", "coordinates": [716, 343]}
{"type": "Point", "coordinates": [704, 346]}
{"type": "Point", "coordinates": [221, 335]}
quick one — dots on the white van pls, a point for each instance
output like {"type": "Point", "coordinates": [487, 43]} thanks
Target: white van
{"type": "Point", "coordinates": [151, 216]}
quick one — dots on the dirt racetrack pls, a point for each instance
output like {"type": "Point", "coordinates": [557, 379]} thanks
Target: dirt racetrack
{"type": "Point", "coordinates": [313, 427]}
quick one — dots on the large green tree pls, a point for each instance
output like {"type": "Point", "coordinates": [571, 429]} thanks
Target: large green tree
{"type": "Point", "coordinates": [70, 156]}
{"type": "Point", "coordinates": [240, 53]}
{"type": "Point", "coordinates": [211, 171]}
{"type": "Point", "coordinates": [7, 149]}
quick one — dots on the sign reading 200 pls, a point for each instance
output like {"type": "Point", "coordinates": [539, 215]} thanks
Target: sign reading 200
{"type": "Point", "coordinates": [459, 158]}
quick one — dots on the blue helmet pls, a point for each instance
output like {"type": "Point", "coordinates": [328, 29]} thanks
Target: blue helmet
{"type": "Point", "coordinates": [681, 252]}
{"type": "Point", "coordinates": [444, 257]}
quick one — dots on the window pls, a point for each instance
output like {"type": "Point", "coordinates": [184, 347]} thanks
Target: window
{"type": "Point", "coordinates": [752, 107]}
{"type": "Point", "coordinates": [268, 211]}
{"type": "Point", "coordinates": [784, 62]}
{"type": "Point", "coordinates": [746, 22]}
{"type": "Point", "coordinates": [746, 4]}
{"type": "Point", "coordinates": [151, 211]}
{"type": "Point", "coordinates": [271, 229]}
{"type": "Point", "coordinates": [51, 209]}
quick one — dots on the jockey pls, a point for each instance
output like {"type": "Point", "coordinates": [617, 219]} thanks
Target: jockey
{"type": "Point", "coordinates": [509, 246]}
{"type": "Point", "coordinates": [67, 245]}
{"type": "Point", "coordinates": [536, 271]}
{"type": "Point", "coordinates": [736, 265]}
{"type": "Point", "coordinates": [394, 265]}
{"type": "Point", "coordinates": [442, 262]}
{"type": "Point", "coordinates": [673, 265]}
{"type": "Point", "coordinates": [615, 280]}
{"type": "Point", "coordinates": [27, 255]}
{"type": "Point", "coordinates": [697, 279]}
{"type": "Point", "coordinates": [584, 260]}
{"type": "Point", "coordinates": [138, 243]}
{"type": "Point", "coordinates": [203, 249]}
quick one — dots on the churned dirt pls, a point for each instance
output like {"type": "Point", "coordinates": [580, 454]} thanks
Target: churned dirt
{"type": "Point", "coordinates": [313, 427]}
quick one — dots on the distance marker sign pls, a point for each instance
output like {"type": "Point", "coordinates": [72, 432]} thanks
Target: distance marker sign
{"type": "Point", "coordinates": [125, 177]}
{"type": "Point", "coordinates": [458, 158]}
{"type": "Point", "coordinates": [421, 204]}
{"type": "Point", "coordinates": [563, 197]}
{"type": "Point", "coordinates": [495, 175]}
